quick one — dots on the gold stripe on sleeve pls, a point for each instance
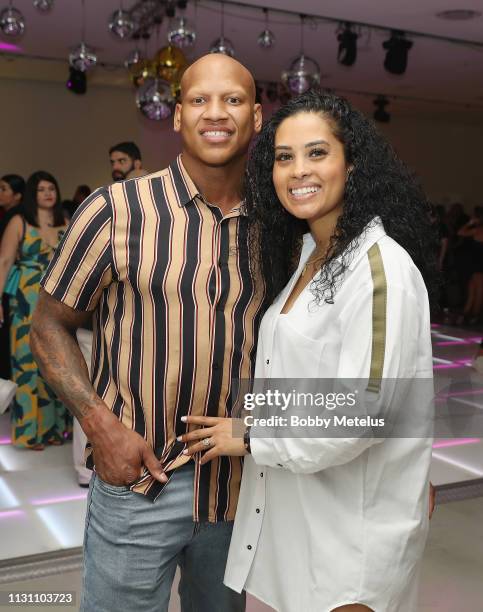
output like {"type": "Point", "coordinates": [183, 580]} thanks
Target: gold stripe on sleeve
{"type": "Point", "coordinates": [379, 301]}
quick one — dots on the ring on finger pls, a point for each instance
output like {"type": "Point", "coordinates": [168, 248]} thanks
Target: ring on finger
{"type": "Point", "coordinates": [207, 442]}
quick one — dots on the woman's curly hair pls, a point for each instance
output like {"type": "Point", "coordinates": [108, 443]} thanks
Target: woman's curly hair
{"type": "Point", "coordinates": [379, 184]}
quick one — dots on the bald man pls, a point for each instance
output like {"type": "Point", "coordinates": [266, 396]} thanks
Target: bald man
{"type": "Point", "coordinates": [162, 262]}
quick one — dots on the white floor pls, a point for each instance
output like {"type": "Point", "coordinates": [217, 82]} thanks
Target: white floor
{"type": "Point", "coordinates": [42, 507]}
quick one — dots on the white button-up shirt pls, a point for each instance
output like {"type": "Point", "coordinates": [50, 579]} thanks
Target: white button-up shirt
{"type": "Point", "coordinates": [326, 522]}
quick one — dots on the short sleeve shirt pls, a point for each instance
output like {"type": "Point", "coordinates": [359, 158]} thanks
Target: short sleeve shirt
{"type": "Point", "coordinates": [177, 307]}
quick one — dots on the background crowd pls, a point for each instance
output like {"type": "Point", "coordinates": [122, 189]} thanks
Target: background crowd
{"type": "Point", "coordinates": [33, 219]}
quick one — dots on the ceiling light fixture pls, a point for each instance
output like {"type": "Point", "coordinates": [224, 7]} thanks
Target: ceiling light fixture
{"type": "Point", "coordinates": [304, 72]}
{"type": "Point", "coordinates": [347, 38]}
{"type": "Point", "coordinates": [266, 39]}
{"type": "Point", "coordinates": [397, 48]}
{"type": "Point", "coordinates": [458, 15]}
{"type": "Point", "coordinates": [222, 44]}
{"type": "Point", "coordinates": [381, 114]}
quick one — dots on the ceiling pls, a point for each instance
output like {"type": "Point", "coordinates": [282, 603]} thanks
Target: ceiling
{"type": "Point", "coordinates": [441, 76]}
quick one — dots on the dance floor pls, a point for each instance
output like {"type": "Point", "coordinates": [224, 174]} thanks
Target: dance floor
{"type": "Point", "coordinates": [42, 508]}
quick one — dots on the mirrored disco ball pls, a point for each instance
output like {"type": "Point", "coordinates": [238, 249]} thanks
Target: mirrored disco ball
{"type": "Point", "coordinates": [121, 24]}
{"type": "Point", "coordinates": [180, 34]}
{"type": "Point", "coordinates": [266, 40]}
{"type": "Point", "coordinates": [155, 100]}
{"type": "Point", "coordinates": [304, 73]}
{"type": "Point", "coordinates": [43, 6]}
{"type": "Point", "coordinates": [12, 22]}
{"type": "Point", "coordinates": [223, 45]}
{"type": "Point", "coordinates": [134, 57]}
{"type": "Point", "coordinates": [82, 58]}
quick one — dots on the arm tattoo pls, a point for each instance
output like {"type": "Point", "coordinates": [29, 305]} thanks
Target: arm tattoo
{"type": "Point", "coordinates": [55, 348]}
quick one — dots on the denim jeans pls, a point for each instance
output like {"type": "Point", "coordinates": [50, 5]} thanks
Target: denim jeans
{"type": "Point", "coordinates": [132, 547]}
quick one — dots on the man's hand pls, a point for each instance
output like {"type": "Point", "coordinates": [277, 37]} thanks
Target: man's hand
{"type": "Point", "coordinates": [120, 454]}
{"type": "Point", "coordinates": [432, 499]}
{"type": "Point", "coordinates": [225, 437]}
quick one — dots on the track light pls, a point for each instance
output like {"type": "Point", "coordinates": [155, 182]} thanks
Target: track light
{"type": "Point", "coordinates": [77, 81]}
{"type": "Point", "coordinates": [381, 114]}
{"type": "Point", "coordinates": [397, 52]}
{"type": "Point", "coordinates": [347, 53]}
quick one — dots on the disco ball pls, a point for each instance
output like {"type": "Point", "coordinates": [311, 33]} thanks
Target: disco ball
{"type": "Point", "coordinates": [43, 6]}
{"type": "Point", "coordinates": [12, 22]}
{"type": "Point", "coordinates": [155, 99]}
{"type": "Point", "coordinates": [83, 58]}
{"type": "Point", "coordinates": [133, 58]}
{"type": "Point", "coordinates": [266, 40]}
{"type": "Point", "coordinates": [223, 45]}
{"type": "Point", "coordinates": [180, 34]}
{"type": "Point", "coordinates": [303, 74]}
{"type": "Point", "coordinates": [121, 24]}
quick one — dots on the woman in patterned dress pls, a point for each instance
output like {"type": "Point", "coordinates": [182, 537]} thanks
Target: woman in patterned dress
{"type": "Point", "coordinates": [29, 241]}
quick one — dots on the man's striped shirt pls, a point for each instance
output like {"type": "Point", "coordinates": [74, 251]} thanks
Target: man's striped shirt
{"type": "Point", "coordinates": [177, 310]}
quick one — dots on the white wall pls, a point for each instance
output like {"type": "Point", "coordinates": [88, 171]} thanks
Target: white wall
{"type": "Point", "coordinates": [43, 126]}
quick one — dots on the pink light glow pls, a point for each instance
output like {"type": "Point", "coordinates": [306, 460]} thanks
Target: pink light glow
{"type": "Point", "coordinates": [12, 514]}
{"type": "Point", "coordinates": [448, 366]}
{"type": "Point", "coordinates": [9, 47]}
{"type": "Point", "coordinates": [456, 442]}
{"type": "Point", "coordinates": [58, 500]}
{"type": "Point", "coordinates": [466, 341]}
{"type": "Point", "coordinates": [461, 393]}
{"type": "Point", "coordinates": [5, 441]}
{"type": "Point", "coordinates": [434, 325]}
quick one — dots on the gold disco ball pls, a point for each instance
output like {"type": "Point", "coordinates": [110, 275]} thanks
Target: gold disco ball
{"type": "Point", "coordinates": [141, 71]}
{"type": "Point", "coordinates": [171, 62]}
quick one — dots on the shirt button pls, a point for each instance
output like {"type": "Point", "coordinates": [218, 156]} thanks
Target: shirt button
{"type": "Point", "coordinates": [249, 547]}
{"type": "Point", "coordinates": [268, 361]}
{"type": "Point", "coordinates": [279, 465]}
{"type": "Point", "coordinates": [257, 510]}
{"type": "Point", "coordinates": [216, 366]}
{"type": "Point", "coordinates": [261, 474]}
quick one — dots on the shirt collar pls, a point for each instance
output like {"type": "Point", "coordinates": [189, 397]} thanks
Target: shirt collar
{"type": "Point", "coordinates": [187, 191]}
{"type": "Point", "coordinates": [373, 232]}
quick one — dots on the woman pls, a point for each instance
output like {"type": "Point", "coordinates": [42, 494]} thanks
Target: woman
{"type": "Point", "coordinates": [27, 246]}
{"type": "Point", "coordinates": [333, 523]}
{"type": "Point", "coordinates": [11, 190]}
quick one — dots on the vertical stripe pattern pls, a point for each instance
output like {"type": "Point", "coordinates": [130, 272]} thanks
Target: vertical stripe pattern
{"type": "Point", "coordinates": [176, 315]}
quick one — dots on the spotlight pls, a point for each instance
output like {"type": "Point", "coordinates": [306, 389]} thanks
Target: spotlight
{"type": "Point", "coordinates": [347, 54]}
{"type": "Point", "coordinates": [77, 81]}
{"type": "Point", "coordinates": [381, 114]}
{"type": "Point", "coordinates": [397, 48]}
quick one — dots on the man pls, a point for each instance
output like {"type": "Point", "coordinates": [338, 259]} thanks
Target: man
{"type": "Point", "coordinates": [163, 263]}
{"type": "Point", "coordinates": [126, 161]}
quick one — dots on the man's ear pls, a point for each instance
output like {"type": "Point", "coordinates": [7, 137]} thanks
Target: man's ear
{"type": "Point", "coordinates": [258, 115]}
{"type": "Point", "coordinates": [138, 164]}
{"type": "Point", "coordinates": [177, 118]}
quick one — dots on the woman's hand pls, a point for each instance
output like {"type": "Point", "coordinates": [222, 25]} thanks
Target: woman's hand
{"type": "Point", "coordinates": [223, 436]}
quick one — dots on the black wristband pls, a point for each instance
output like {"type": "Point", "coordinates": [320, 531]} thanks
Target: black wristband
{"type": "Point", "coordinates": [246, 441]}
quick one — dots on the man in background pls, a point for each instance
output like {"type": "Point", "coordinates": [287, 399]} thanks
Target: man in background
{"type": "Point", "coordinates": [126, 161]}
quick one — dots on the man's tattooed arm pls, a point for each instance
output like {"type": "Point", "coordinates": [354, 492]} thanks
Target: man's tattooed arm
{"type": "Point", "coordinates": [119, 453]}
{"type": "Point", "coordinates": [55, 348]}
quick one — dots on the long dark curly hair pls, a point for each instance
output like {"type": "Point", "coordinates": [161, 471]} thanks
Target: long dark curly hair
{"type": "Point", "coordinates": [379, 184]}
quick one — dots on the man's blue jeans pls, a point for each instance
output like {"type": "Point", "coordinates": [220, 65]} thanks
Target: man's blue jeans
{"type": "Point", "coordinates": [132, 547]}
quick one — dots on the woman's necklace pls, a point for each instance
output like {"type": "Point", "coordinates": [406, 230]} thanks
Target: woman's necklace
{"type": "Point", "coordinates": [312, 260]}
